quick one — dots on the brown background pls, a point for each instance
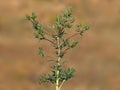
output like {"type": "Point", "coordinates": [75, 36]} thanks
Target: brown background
{"type": "Point", "coordinates": [96, 59]}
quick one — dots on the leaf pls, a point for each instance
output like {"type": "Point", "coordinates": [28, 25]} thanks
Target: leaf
{"type": "Point", "coordinates": [40, 31]}
{"type": "Point", "coordinates": [69, 26]}
{"type": "Point", "coordinates": [79, 25]}
{"type": "Point", "coordinates": [48, 78]}
{"type": "Point", "coordinates": [81, 32]}
{"type": "Point", "coordinates": [34, 16]}
{"type": "Point", "coordinates": [66, 74]}
{"type": "Point", "coordinates": [36, 35]}
{"type": "Point", "coordinates": [86, 27]}
{"type": "Point", "coordinates": [65, 43]}
{"type": "Point", "coordinates": [81, 29]}
{"type": "Point", "coordinates": [59, 35]}
{"type": "Point", "coordinates": [61, 54]}
{"type": "Point", "coordinates": [38, 28]}
{"type": "Point", "coordinates": [67, 13]}
{"type": "Point", "coordinates": [41, 52]}
{"type": "Point", "coordinates": [28, 17]}
{"type": "Point", "coordinates": [59, 19]}
{"type": "Point", "coordinates": [72, 20]}
{"type": "Point", "coordinates": [43, 79]}
{"type": "Point", "coordinates": [74, 44]}
{"type": "Point", "coordinates": [35, 25]}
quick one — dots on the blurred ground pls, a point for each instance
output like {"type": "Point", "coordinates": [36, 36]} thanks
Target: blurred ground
{"type": "Point", "coordinates": [97, 59]}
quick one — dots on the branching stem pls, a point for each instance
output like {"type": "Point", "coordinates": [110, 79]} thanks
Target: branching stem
{"type": "Point", "coordinates": [61, 45]}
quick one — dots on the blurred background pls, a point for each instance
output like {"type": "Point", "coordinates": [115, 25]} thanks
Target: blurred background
{"type": "Point", "coordinates": [96, 59]}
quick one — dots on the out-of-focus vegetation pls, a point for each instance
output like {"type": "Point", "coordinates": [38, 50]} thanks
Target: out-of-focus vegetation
{"type": "Point", "coordinates": [97, 61]}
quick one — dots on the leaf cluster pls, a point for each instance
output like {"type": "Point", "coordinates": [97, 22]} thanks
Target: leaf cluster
{"type": "Point", "coordinates": [64, 75]}
{"type": "Point", "coordinates": [64, 22]}
{"type": "Point", "coordinates": [82, 28]}
{"type": "Point", "coordinates": [39, 30]}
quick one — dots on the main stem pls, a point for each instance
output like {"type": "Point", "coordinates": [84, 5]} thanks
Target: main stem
{"type": "Point", "coordinates": [58, 63]}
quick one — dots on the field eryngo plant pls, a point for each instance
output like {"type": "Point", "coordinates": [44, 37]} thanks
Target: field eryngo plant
{"type": "Point", "coordinates": [61, 44]}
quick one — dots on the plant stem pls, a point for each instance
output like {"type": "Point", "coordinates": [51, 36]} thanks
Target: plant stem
{"type": "Point", "coordinates": [61, 84]}
{"type": "Point", "coordinates": [72, 36]}
{"type": "Point", "coordinates": [49, 41]}
{"type": "Point", "coordinates": [58, 63]}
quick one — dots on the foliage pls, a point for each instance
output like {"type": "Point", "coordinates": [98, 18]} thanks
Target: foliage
{"type": "Point", "coordinates": [63, 24]}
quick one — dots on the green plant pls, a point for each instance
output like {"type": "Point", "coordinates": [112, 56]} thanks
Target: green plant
{"type": "Point", "coordinates": [61, 44]}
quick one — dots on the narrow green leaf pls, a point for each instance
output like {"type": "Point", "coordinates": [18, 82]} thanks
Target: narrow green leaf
{"type": "Point", "coordinates": [36, 35]}
{"type": "Point", "coordinates": [41, 52]}
{"type": "Point", "coordinates": [59, 19]}
{"type": "Point", "coordinates": [66, 74]}
{"type": "Point", "coordinates": [86, 27]}
{"type": "Point", "coordinates": [79, 25]}
{"type": "Point", "coordinates": [61, 54]}
{"type": "Point", "coordinates": [72, 20]}
{"type": "Point", "coordinates": [69, 26]}
{"type": "Point", "coordinates": [28, 17]}
{"type": "Point", "coordinates": [64, 44]}
{"type": "Point", "coordinates": [34, 16]}
{"type": "Point", "coordinates": [81, 32]}
{"type": "Point", "coordinates": [74, 44]}
{"type": "Point", "coordinates": [67, 13]}
{"type": "Point", "coordinates": [35, 25]}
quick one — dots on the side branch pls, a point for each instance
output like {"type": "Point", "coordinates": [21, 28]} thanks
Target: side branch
{"type": "Point", "coordinates": [44, 38]}
{"type": "Point", "coordinates": [49, 40]}
{"type": "Point", "coordinates": [72, 36]}
{"type": "Point", "coordinates": [61, 85]}
{"type": "Point", "coordinates": [63, 41]}
{"type": "Point", "coordinates": [66, 49]}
